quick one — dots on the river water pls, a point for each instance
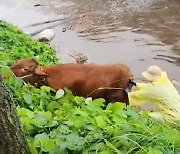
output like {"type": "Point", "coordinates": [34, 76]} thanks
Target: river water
{"type": "Point", "coordinates": [138, 33]}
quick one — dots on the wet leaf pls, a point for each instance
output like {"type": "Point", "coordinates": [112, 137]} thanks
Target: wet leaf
{"type": "Point", "coordinates": [47, 145]}
{"type": "Point", "coordinates": [32, 148]}
{"type": "Point", "coordinates": [99, 101]}
{"type": "Point", "coordinates": [5, 70]}
{"type": "Point", "coordinates": [154, 151]}
{"type": "Point", "coordinates": [101, 122]}
{"type": "Point", "coordinates": [59, 93]}
{"type": "Point", "coordinates": [117, 119]}
{"type": "Point", "coordinates": [25, 112]}
{"type": "Point", "coordinates": [107, 152]}
{"type": "Point", "coordinates": [109, 144]}
{"type": "Point", "coordinates": [28, 98]}
{"type": "Point", "coordinates": [18, 82]}
{"type": "Point", "coordinates": [116, 107]}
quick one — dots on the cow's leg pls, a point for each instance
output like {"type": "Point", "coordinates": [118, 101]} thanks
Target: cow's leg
{"type": "Point", "coordinates": [117, 96]}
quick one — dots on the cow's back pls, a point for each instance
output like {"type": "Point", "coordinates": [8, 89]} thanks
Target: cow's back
{"type": "Point", "coordinates": [85, 79]}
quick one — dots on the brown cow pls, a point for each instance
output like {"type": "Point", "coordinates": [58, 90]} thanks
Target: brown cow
{"type": "Point", "coordinates": [97, 81]}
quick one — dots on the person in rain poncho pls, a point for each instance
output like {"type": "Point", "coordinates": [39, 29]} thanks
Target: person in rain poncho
{"type": "Point", "coordinates": [158, 90]}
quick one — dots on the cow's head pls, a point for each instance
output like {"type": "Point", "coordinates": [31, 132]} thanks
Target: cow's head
{"type": "Point", "coordinates": [30, 71]}
{"type": "Point", "coordinates": [24, 67]}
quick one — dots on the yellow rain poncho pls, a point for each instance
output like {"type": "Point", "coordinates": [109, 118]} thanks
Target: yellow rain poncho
{"type": "Point", "coordinates": [163, 94]}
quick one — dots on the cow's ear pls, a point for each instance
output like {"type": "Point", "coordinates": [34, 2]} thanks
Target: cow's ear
{"type": "Point", "coordinates": [39, 71]}
{"type": "Point", "coordinates": [34, 61]}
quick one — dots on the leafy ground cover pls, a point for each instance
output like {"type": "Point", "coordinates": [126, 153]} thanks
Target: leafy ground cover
{"type": "Point", "coordinates": [61, 123]}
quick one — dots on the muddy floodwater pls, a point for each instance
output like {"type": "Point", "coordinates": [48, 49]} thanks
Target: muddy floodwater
{"type": "Point", "coordinates": [138, 33]}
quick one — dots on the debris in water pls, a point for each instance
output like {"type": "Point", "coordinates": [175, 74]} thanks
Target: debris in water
{"type": "Point", "coordinates": [46, 35]}
{"type": "Point", "coordinates": [80, 58]}
{"type": "Point", "coordinates": [64, 30]}
{"type": "Point", "coordinates": [37, 5]}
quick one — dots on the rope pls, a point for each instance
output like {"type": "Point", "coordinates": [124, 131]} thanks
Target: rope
{"type": "Point", "coordinates": [22, 77]}
{"type": "Point", "coordinates": [102, 88]}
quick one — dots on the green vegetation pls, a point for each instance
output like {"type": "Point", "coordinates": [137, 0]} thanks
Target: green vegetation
{"type": "Point", "coordinates": [61, 123]}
